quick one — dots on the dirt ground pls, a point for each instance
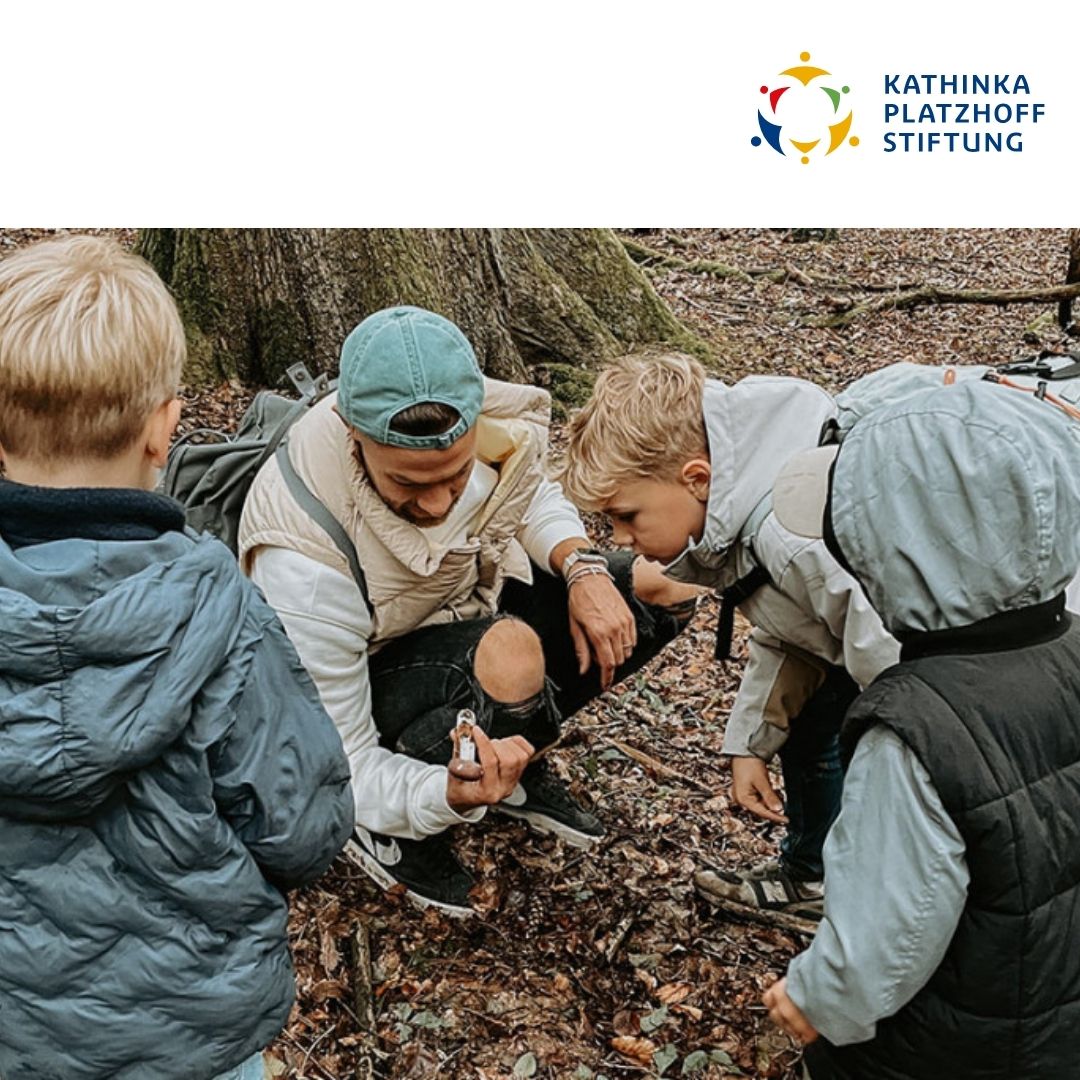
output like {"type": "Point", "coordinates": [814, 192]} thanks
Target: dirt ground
{"type": "Point", "coordinates": [607, 964]}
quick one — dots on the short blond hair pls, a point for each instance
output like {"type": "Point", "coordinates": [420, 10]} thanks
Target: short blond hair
{"type": "Point", "coordinates": [90, 344]}
{"type": "Point", "coordinates": [643, 421]}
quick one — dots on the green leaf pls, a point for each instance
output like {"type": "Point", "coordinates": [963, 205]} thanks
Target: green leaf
{"type": "Point", "coordinates": [426, 1019]}
{"type": "Point", "coordinates": [647, 961]}
{"type": "Point", "coordinates": [695, 1062]}
{"type": "Point", "coordinates": [404, 1032]}
{"type": "Point", "coordinates": [402, 1010]}
{"type": "Point", "coordinates": [662, 1059]}
{"type": "Point", "coordinates": [651, 1022]}
{"type": "Point", "coordinates": [525, 1065]}
{"type": "Point", "coordinates": [720, 1057]}
{"type": "Point", "coordinates": [583, 1072]}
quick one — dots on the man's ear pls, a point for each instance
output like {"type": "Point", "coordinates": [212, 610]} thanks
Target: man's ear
{"type": "Point", "coordinates": [696, 475]}
{"type": "Point", "coordinates": [159, 431]}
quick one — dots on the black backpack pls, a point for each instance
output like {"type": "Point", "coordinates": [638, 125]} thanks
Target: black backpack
{"type": "Point", "coordinates": [211, 479]}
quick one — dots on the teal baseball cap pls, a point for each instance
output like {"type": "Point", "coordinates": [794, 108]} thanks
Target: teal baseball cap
{"type": "Point", "coordinates": [405, 356]}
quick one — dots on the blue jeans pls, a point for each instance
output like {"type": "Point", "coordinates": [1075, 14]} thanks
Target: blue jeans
{"type": "Point", "coordinates": [814, 775]}
{"type": "Point", "coordinates": [252, 1069]}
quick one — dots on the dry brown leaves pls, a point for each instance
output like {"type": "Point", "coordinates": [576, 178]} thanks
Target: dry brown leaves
{"type": "Point", "coordinates": [588, 966]}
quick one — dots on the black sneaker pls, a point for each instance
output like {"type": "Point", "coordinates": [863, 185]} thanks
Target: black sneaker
{"type": "Point", "coordinates": [544, 802]}
{"type": "Point", "coordinates": [427, 868]}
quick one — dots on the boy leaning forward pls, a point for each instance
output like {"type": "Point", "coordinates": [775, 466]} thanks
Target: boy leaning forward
{"type": "Point", "coordinates": [684, 467]}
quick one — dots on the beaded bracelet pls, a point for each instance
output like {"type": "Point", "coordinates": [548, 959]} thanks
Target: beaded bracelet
{"type": "Point", "coordinates": [587, 570]}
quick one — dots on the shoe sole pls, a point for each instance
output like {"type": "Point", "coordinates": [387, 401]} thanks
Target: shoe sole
{"type": "Point", "coordinates": [383, 878]}
{"type": "Point", "coordinates": [543, 823]}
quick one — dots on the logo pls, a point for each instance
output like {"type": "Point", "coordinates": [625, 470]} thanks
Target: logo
{"type": "Point", "coordinates": [803, 113]}
{"type": "Point", "coordinates": [385, 849]}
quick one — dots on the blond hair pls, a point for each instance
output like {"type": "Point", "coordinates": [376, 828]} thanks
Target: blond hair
{"type": "Point", "coordinates": [90, 344]}
{"type": "Point", "coordinates": [643, 421]}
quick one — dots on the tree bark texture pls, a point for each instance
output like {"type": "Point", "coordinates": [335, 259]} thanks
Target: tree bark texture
{"type": "Point", "coordinates": [1072, 275]}
{"type": "Point", "coordinates": [255, 301]}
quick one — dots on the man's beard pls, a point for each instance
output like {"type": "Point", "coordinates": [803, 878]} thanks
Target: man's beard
{"type": "Point", "coordinates": [425, 522]}
{"type": "Point", "coordinates": [402, 510]}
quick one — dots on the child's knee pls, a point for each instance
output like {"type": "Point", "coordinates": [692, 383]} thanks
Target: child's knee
{"type": "Point", "coordinates": [509, 662]}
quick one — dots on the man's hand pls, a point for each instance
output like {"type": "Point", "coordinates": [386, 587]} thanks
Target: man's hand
{"type": "Point", "coordinates": [492, 778]}
{"type": "Point", "coordinates": [750, 788]}
{"type": "Point", "coordinates": [601, 625]}
{"type": "Point", "coordinates": [786, 1015]}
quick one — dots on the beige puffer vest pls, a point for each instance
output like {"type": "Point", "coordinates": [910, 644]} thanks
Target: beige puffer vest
{"type": "Point", "coordinates": [409, 584]}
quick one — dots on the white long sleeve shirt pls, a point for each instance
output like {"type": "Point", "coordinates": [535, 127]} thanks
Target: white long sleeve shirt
{"type": "Point", "coordinates": [329, 624]}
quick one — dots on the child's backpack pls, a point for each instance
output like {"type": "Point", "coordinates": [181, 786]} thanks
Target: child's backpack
{"type": "Point", "coordinates": [211, 479]}
{"type": "Point", "coordinates": [1052, 377]}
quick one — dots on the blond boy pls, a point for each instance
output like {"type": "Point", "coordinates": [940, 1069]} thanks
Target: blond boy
{"type": "Point", "coordinates": [683, 465]}
{"type": "Point", "coordinates": [165, 766]}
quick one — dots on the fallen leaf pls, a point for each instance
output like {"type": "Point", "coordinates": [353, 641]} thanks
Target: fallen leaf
{"type": "Point", "coordinates": [639, 1050]}
{"type": "Point", "coordinates": [673, 993]}
{"type": "Point", "coordinates": [525, 1065]}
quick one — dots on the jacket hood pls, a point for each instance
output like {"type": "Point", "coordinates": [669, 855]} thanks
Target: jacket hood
{"type": "Point", "coordinates": [959, 504]}
{"type": "Point", "coordinates": [753, 428]}
{"type": "Point", "coordinates": [104, 648]}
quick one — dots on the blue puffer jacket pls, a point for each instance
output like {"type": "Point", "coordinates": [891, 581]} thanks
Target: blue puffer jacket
{"type": "Point", "coordinates": [166, 770]}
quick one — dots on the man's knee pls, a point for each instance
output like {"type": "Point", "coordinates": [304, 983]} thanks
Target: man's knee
{"type": "Point", "coordinates": [509, 662]}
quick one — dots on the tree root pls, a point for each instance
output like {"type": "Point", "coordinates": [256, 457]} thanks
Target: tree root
{"type": "Point", "coordinates": [929, 294]}
{"type": "Point", "coordinates": [649, 256]}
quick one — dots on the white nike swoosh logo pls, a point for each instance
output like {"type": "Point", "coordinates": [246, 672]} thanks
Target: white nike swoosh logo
{"type": "Point", "coordinates": [386, 851]}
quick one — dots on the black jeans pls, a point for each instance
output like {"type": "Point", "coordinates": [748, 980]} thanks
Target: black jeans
{"type": "Point", "coordinates": [421, 680]}
{"type": "Point", "coordinates": [814, 775]}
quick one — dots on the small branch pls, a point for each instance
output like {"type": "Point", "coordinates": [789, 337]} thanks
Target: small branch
{"type": "Point", "coordinates": [928, 294]}
{"type": "Point", "coordinates": [363, 999]}
{"type": "Point", "coordinates": [780, 920]}
{"type": "Point", "coordinates": [657, 767]}
{"type": "Point", "coordinates": [708, 267]}
{"type": "Point", "coordinates": [618, 936]}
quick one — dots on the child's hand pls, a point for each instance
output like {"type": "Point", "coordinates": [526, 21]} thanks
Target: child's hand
{"type": "Point", "coordinates": [750, 788]}
{"type": "Point", "coordinates": [492, 778]}
{"type": "Point", "coordinates": [786, 1015]}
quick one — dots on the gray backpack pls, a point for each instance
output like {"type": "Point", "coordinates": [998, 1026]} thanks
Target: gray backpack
{"type": "Point", "coordinates": [211, 479]}
{"type": "Point", "coordinates": [1052, 377]}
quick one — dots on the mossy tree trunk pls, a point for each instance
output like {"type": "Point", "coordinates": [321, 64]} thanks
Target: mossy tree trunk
{"type": "Point", "coordinates": [255, 301]}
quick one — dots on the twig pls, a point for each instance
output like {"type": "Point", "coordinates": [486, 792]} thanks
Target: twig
{"type": "Point", "coordinates": [657, 766]}
{"type": "Point", "coordinates": [363, 993]}
{"type": "Point", "coordinates": [618, 935]}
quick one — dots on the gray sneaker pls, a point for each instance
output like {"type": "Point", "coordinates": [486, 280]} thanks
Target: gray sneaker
{"type": "Point", "coordinates": [769, 887]}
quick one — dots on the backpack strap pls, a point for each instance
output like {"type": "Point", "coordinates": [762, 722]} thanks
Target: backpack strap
{"type": "Point", "coordinates": [317, 511]}
{"type": "Point", "coordinates": [747, 585]}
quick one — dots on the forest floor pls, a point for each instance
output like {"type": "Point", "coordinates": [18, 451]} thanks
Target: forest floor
{"type": "Point", "coordinates": [608, 964]}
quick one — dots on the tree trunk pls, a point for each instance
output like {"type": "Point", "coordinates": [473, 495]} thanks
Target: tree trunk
{"type": "Point", "coordinates": [255, 301]}
{"type": "Point", "coordinates": [1072, 275]}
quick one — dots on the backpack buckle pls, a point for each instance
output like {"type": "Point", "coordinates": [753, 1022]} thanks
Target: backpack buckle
{"type": "Point", "coordinates": [309, 387]}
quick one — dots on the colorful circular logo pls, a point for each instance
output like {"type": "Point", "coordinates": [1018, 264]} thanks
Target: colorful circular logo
{"type": "Point", "coordinates": [802, 110]}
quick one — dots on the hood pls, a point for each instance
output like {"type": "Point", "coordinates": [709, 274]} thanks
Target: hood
{"type": "Point", "coordinates": [105, 646]}
{"type": "Point", "coordinates": [959, 504]}
{"type": "Point", "coordinates": [753, 427]}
